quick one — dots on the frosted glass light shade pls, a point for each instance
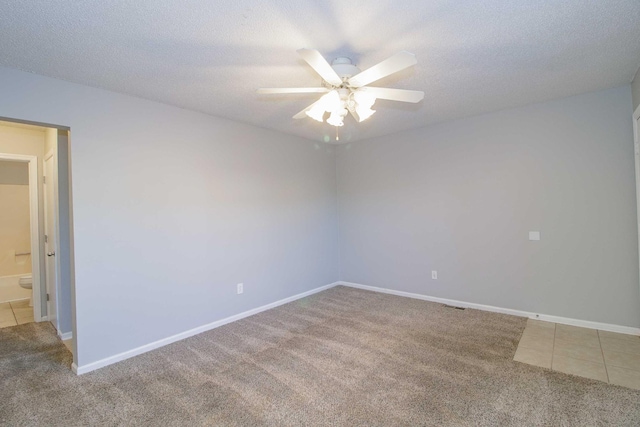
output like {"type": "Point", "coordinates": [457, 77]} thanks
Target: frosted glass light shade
{"type": "Point", "coordinates": [316, 113]}
{"type": "Point", "coordinates": [337, 116]}
{"type": "Point", "coordinates": [330, 101]}
{"type": "Point", "coordinates": [363, 99]}
{"type": "Point", "coordinates": [364, 113]}
{"type": "Point", "coordinates": [333, 103]}
{"type": "Point", "coordinates": [364, 102]}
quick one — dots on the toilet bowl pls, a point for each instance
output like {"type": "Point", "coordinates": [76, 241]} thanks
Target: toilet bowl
{"type": "Point", "coordinates": [26, 282]}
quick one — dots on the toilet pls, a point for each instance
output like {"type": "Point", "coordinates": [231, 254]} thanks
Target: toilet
{"type": "Point", "coordinates": [26, 282]}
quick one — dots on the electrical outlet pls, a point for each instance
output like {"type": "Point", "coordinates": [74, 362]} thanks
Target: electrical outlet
{"type": "Point", "coordinates": [240, 288]}
{"type": "Point", "coordinates": [434, 274]}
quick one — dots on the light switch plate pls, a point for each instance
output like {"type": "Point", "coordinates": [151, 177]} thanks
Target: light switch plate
{"type": "Point", "coordinates": [534, 235]}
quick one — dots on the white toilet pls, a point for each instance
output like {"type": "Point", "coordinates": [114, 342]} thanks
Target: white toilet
{"type": "Point", "coordinates": [26, 282]}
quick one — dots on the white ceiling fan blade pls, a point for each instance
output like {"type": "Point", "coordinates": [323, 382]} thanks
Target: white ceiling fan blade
{"type": "Point", "coordinates": [320, 65]}
{"type": "Point", "coordinates": [303, 113]}
{"type": "Point", "coordinates": [394, 94]}
{"type": "Point", "coordinates": [397, 62]}
{"type": "Point", "coordinates": [276, 90]}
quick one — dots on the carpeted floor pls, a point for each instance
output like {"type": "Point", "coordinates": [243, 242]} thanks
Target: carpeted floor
{"type": "Point", "coordinates": [344, 357]}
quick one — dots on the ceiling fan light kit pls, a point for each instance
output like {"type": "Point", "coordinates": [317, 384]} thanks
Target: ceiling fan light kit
{"type": "Point", "coordinates": [345, 87]}
{"type": "Point", "coordinates": [339, 102]}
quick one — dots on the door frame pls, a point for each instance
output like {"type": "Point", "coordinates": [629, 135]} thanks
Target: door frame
{"type": "Point", "coordinates": [34, 208]}
{"type": "Point", "coordinates": [636, 150]}
{"type": "Point", "coordinates": [52, 154]}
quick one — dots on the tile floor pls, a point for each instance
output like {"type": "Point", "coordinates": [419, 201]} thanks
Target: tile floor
{"type": "Point", "coordinates": [15, 313]}
{"type": "Point", "coordinates": [599, 355]}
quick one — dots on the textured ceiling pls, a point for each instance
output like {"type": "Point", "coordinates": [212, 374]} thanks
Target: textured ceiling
{"type": "Point", "coordinates": [210, 56]}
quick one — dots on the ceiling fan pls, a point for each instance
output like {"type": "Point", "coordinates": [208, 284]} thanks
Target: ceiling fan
{"type": "Point", "coordinates": [345, 87]}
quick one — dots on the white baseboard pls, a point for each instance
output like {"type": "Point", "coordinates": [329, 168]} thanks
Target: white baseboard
{"type": "Point", "coordinates": [546, 317]}
{"type": "Point", "coordinates": [79, 370]}
{"type": "Point", "coordinates": [65, 335]}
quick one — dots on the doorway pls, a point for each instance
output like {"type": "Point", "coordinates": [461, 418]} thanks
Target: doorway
{"type": "Point", "coordinates": [51, 222]}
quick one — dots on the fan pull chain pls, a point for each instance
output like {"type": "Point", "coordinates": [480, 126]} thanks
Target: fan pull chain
{"type": "Point", "coordinates": [337, 134]}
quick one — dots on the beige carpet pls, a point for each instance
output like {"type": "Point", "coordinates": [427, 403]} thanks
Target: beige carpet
{"type": "Point", "coordinates": [342, 357]}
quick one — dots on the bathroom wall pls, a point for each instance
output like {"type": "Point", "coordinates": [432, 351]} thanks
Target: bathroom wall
{"type": "Point", "coordinates": [50, 140]}
{"type": "Point", "coordinates": [25, 140]}
{"type": "Point", "coordinates": [14, 219]}
{"type": "Point", "coordinates": [13, 173]}
{"type": "Point", "coordinates": [14, 229]}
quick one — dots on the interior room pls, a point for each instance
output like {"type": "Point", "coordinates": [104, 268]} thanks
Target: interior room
{"type": "Point", "coordinates": [15, 250]}
{"type": "Point", "coordinates": [303, 213]}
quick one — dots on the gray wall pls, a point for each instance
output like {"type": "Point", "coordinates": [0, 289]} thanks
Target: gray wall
{"type": "Point", "coordinates": [173, 208]}
{"type": "Point", "coordinates": [461, 197]}
{"type": "Point", "coordinates": [635, 90]}
{"type": "Point", "coordinates": [65, 262]}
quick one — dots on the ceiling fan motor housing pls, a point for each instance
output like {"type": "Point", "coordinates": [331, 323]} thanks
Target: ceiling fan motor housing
{"type": "Point", "coordinates": [344, 68]}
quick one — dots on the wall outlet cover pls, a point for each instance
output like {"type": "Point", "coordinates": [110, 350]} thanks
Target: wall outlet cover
{"type": "Point", "coordinates": [240, 288]}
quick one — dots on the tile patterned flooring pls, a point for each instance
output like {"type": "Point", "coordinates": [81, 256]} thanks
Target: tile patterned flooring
{"type": "Point", "coordinates": [15, 313]}
{"type": "Point", "coordinates": [605, 356]}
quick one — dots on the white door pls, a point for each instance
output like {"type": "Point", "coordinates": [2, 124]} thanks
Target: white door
{"type": "Point", "coordinates": [50, 240]}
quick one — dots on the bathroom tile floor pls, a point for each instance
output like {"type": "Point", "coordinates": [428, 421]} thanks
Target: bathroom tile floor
{"type": "Point", "coordinates": [15, 313]}
{"type": "Point", "coordinates": [605, 356]}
